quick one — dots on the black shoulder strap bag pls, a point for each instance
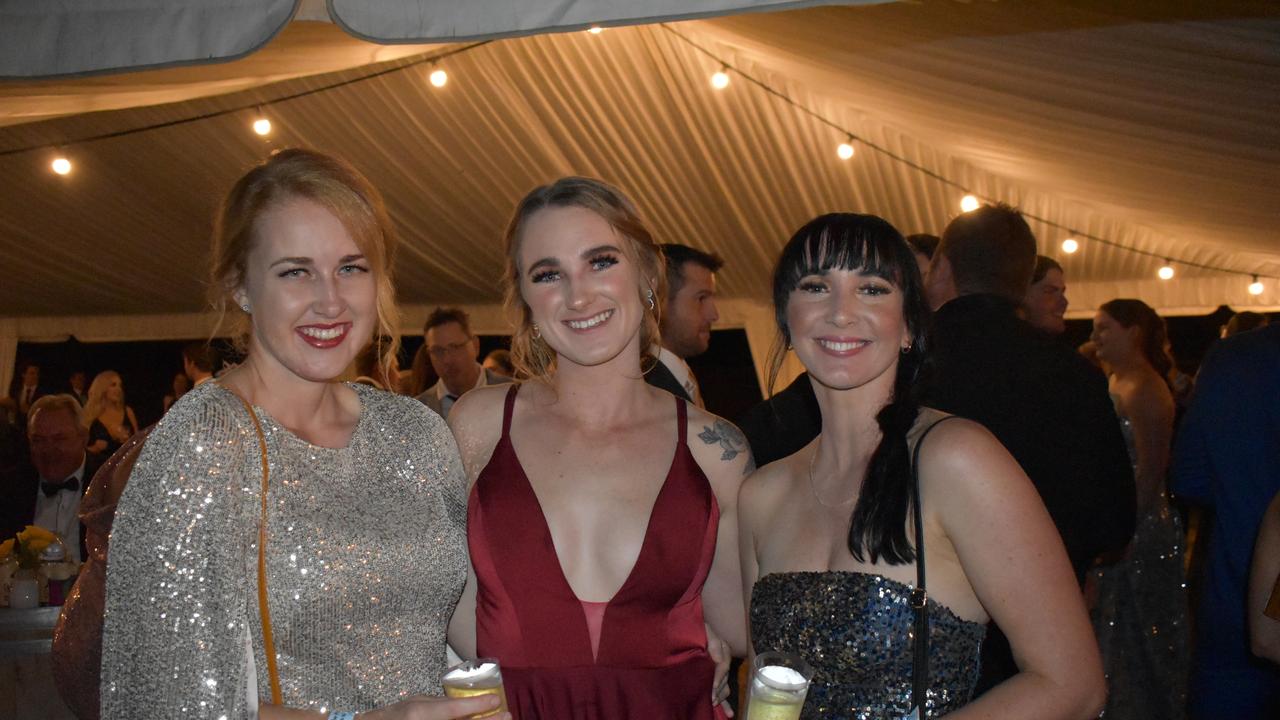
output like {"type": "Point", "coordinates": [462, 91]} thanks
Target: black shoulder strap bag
{"type": "Point", "coordinates": [920, 598]}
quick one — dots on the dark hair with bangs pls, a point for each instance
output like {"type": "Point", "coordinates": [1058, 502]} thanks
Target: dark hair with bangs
{"type": "Point", "coordinates": [868, 244]}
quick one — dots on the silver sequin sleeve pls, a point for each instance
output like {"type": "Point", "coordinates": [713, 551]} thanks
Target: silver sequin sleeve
{"type": "Point", "coordinates": [175, 632]}
{"type": "Point", "coordinates": [366, 559]}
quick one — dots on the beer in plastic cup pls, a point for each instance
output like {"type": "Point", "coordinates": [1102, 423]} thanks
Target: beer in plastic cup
{"type": "Point", "coordinates": [482, 676]}
{"type": "Point", "coordinates": [779, 683]}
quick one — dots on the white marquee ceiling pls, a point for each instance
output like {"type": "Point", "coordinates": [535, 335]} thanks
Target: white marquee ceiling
{"type": "Point", "coordinates": [1148, 127]}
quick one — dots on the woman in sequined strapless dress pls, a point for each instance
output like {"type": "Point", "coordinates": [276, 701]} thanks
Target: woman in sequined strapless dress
{"type": "Point", "coordinates": [601, 518]}
{"type": "Point", "coordinates": [1140, 609]}
{"type": "Point", "coordinates": [365, 527]}
{"type": "Point", "coordinates": [827, 541]}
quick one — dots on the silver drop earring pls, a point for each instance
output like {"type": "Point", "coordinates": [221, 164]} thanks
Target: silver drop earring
{"type": "Point", "coordinates": [651, 302]}
{"type": "Point", "coordinates": [537, 332]}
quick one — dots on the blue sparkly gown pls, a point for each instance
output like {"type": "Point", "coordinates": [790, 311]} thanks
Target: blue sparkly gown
{"type": "Point", "coordinates": [1140, 617]}
{"type": "Point", "coordinates": [854, 628]}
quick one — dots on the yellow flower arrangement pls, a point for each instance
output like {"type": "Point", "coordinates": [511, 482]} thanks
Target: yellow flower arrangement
{"type": "Point", "coordinates": [27, 546]}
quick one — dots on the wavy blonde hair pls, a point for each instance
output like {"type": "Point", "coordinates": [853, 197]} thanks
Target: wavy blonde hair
{"type": "Point", "coordinates": [97, 401]}
{"type": "Point", "coordinates": [339, 188]}
{"type": "Point", "coordinates": [532, 357]}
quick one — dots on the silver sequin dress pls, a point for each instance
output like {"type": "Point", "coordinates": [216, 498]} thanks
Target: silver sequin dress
{"type": "Point", "coordinates": [366, 558]}
{"type": "Point", "coordinates": [1140, 616]}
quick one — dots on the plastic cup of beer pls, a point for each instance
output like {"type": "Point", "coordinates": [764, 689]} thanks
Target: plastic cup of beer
{"type": "Point", "coordinates": [779, 683]}
{"type": "Point", "coordinates": [482, 676]}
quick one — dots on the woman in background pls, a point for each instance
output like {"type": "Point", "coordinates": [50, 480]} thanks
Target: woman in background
{"type": "Point", "coordinates": [364, 555]}
{"type": "Point", "coordinates": [181, 384]}
{"type": "Point", "coordinates": [601, 522]}
{"type": "Point", "coordinates": [1140, 614]}
{"type": "Point", "coordinates": [828, 535]}
{"type": "Point", "coordinates": [110, 421]}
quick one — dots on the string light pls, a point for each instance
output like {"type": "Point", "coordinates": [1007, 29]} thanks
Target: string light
{"type": "Point", "coordinates": [1166, 271]}
{"type": "Point", "coordinates": [720, 80]}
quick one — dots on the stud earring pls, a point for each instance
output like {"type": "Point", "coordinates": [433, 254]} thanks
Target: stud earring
{"type": "Point", "coordinates": [245, 307]}
{"type": "Point", "coordinates": [651, 302]}
{"type": "Point", "coordinates": [906, 349]}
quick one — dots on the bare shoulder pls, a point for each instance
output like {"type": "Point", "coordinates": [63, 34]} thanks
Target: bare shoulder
{"type": "Point", "coordinates": [476, 422]}
{"type": "Point", "coordinates": [714, 439]}
{"type": "Point", "coordinates": [962, 461]}
{"type": "Point", "coordinates": [722, 452]}
{"type": "Point", "coordinates": [767, 486]}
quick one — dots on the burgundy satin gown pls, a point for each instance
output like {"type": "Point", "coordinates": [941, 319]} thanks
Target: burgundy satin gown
{"type": "Point", "coordinates": [651, 659]}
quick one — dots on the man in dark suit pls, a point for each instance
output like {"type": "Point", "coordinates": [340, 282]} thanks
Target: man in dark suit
{"type": "Point", "coordinates": [27, 391]}
{"type": "Point", "coordinates": [1227, 459]}
{"type": "Point", "coordinates": [48, 493]}
{"type": "Point", "coordinates": [687, 315]}
{"type": "Point", "coordinates": [1044, 402]}
{"type": "Point", "coordinates": [453, 351]}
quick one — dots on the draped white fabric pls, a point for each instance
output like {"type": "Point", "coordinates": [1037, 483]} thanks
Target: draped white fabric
{"type": "Point", "coordinates": [419, 20]}
{"type": "Point", "coordinates": [44, 38]}
{"type": "Point", "coordinates": [1148, 127]}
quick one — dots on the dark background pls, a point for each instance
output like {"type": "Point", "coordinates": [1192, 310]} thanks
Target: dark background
{"type": "Point", "coordinates": [724, 372]}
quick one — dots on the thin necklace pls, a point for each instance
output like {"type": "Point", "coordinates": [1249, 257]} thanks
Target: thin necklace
{"type": "Point", "coordinates": [813, 488]}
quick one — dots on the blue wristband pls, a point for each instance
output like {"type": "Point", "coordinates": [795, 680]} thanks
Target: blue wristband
{"type": "Point", "coordinates": [339, 715]}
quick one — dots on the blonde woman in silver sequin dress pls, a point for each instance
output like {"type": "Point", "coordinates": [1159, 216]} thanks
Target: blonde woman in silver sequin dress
{"type": "Point", "coordinates": [366, 553]}
{"type": "Point", "coordinates": [827, 539]}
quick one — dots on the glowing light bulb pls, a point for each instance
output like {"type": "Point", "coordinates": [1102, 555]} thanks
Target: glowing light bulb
{"type": "Point", "coordinates": [262, 126]}
{"type": "Point", "coordinates": [439, 78]}
{"type": "Point", "coordinates": [61, 165]}
{"type": "Point", "coordinates": [969, 203]}
{"type": "Point", "coordinates": [845, 151]}
{"type": "Point", "coordinates": [1165, 272]}
{"type": "Point", "coordinates": [720, 80]}
{"type": "Point", "coordinates": [595, 30]}
{"type": "Point", "coordinates": [1255, 287]}
{"type": "Point", "coordinates": [1070, 245]}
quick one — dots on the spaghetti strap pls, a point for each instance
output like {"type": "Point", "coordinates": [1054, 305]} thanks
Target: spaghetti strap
{"type": "Point", "coordinates": [682, 420]}
{"type": "Point", "coordinates": [507, 407]}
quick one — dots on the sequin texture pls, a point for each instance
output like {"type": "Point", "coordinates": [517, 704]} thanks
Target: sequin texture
{"type": "Point", "coordinates": [366, 558]}
{"type": "Point", "coordinates": [1140, 616]}
{"type": "Point", "coordinates": [855, 629]}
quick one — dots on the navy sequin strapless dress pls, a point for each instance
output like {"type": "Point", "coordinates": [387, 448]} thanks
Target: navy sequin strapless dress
{"type": "Point", "coordinates": [855, 630]}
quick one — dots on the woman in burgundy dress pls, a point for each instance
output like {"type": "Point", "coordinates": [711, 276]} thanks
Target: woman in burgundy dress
{"type": "Point", "coordinates": [601, 520]}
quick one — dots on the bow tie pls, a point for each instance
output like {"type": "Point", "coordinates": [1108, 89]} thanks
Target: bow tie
{"type": "Point", "coordinates": [53, 488]}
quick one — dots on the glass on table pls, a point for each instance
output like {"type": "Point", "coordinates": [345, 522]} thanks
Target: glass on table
{"type": "Point", "coordinates": [481, 676]}
{"type": "Point", "coordinates": [779, 683]}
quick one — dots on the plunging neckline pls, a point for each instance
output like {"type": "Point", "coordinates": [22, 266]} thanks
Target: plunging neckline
{"type": "Point", "coordinates": [545, 527]}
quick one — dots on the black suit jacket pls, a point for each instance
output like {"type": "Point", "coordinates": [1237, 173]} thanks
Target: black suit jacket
{"type": "Point", "coordinates": [661, 377]}
{"type": "Point", "coordinates": [784, 423]}
{"type": "Point", "coordinates": [1052, 411]}
{"type": "Point", "coordinates": [18, 499]}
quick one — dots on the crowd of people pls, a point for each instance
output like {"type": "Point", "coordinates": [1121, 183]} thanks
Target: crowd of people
{"type": "Point", "coordinates": [955, 512]}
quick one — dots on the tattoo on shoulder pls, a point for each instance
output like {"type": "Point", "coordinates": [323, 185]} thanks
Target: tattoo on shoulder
{"type": "Point", "coordinates": [731, 441]}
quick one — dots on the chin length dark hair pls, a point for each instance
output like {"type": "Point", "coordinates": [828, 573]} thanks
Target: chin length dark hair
{"type": "Point", "coordinates": [867, 244]}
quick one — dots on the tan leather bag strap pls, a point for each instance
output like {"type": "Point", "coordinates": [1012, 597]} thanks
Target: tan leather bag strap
{"type": "Point", "coordinates": [268, 641]}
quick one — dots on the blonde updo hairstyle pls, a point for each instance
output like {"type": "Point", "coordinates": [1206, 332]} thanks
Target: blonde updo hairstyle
{"type": "Point", "coordinates": [334, 185]}
{"type": "Point", "coordinates": [531, 355]}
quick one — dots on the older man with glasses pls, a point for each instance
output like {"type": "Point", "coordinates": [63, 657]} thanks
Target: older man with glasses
{"type": "Point", "coordinates": [453, 351]}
